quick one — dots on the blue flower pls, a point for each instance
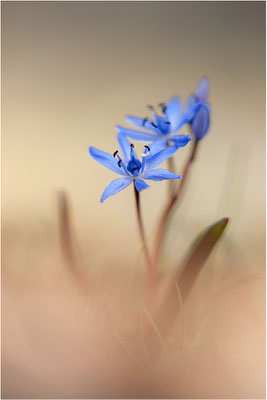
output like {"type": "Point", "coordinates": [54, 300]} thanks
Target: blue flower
{"type": "Point", "coordinates": [131, 169]}
{"type": "Point", "coordinates": [160, 127]}
{"type": "Point", "coordinates": [198, 110]}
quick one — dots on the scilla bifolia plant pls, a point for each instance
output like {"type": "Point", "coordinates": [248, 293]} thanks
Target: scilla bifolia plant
{"type": "Point", "coordinates": [160, 133]}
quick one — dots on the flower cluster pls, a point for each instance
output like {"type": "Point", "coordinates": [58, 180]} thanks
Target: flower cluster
{"type": "Point", "coordinates": [160, 133]}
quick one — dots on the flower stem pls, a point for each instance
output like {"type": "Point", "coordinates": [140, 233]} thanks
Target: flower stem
{"type": "Point", "coordinates": [172, 201]}
{"type": "Point", "coordinates": [171, 182]}
{"type": "Point", "coordinates": [150, 264]}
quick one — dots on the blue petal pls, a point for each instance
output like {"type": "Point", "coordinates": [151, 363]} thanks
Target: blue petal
{"type": "Point", "coordinates": [191, 101]}
{"type": "Point", "coordinates": [159, 175]}
{"type": "Point", "coordinates": [200, 124]}
{"type": "Point", "coordinates": [140, 185]}
{"type": "Point", "coordinates": [202, 90]}
{"type": "Point", "coordinates": [125, 147]}
{"type": "Point", "coordinates": [107, 160]}
{"type": "Point", "coordinates": [173, 113]}
{"type": "Point", "coordinates": [138, 121]}
{"type": "Point", "coordinates": [159, 158]}
{"type": "Point", "coordinates": [156, 146]}
{"type": "Point", "coordinates": [137, 135]}
{"type": "Point", "coordinates": [114, 187]}
{"type": "Point", "coordinates": [193, 105]}
{"type": "Point", "coordinates": [161, 125]}
{"type": "Point", "coordinates": [180, 140]}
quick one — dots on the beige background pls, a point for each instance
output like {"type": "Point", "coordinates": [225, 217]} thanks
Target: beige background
{"type": "Point", "coordinates": [71, 71]}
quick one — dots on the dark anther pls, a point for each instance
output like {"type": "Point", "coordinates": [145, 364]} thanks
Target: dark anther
{"type": "Point", "coordinates": [133, 169]}
{"type": "Point", "coordinates": [144, 121]}
{"type": "Point", "coordinates": [153, 124]}
{"type": "Point", "coordinates": [114, 154]}
{"type": "Point", "coordinates": [163, 107]}
{"type": "Point", "coordinates": [119, 163]}
{"type": "Point", "coordinates": [132, 145]}
{"type": "Point", "coordinates": [167, 122]}
{"type": "Point", "coordinates": [147, 147]}
{"type": "Point", "coordinates": [150, 107]}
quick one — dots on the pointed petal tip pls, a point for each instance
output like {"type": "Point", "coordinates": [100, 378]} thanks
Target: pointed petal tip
{"type": "Point", "coordinates": [180, 140]}
{"type": "Point", "coordinates": [121, 130]}
{"type": "Point", "coordinates": [204, 78]}
{"type": "Point", "coordinates": [175, 98]}
{"type": "Point", "coordinates": [101, 198]}
{"type": "Point", "coordinates": [204, 81]}
{"type": "Point", "coordinates": [91, 150]}
{"type": "Point", "coordinates": [202, 89]}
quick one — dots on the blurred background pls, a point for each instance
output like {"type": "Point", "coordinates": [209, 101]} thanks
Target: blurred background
{"type": "Point", "coordinates": [70, 72]}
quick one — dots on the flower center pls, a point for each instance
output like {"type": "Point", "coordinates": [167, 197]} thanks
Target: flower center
{"type": "Point", "coordinates": [134, 166]}
{"type": "Point", "coordinates": [160, 123]}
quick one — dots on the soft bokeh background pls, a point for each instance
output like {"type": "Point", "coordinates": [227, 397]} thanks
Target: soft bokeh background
{"type": "Point", "coordinates": [71, 71]}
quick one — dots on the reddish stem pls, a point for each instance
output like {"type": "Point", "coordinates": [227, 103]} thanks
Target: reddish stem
{"type": "Point", "coordinates": [168, 209]}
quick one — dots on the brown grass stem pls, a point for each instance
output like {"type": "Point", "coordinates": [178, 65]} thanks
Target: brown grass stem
{"type": "Point", "coordinates": [68, 241]}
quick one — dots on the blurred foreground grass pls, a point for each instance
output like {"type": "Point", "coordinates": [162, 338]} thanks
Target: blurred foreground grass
{"type": "Point", "coordinates": [75, 324]}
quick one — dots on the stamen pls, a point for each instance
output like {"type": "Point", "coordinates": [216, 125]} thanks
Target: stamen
{"type": "Point", "coordinates": [151, 108]}
{"type": "Point", "coordinates": [163, 107]}
{"type": "Point", "coordinates": [167, 122]}
{"type": "Point", "coordinates": [132, 145]}
{"type": "Point", "coordinates": [144, 121]}
{"type": "Point", "coordinates": [146, 152]}
{"type": "Point", "coordinates": [119, 163]}
{"type": "Point", "coordinates": [153, 124]}
{"type": "Point", "coordinates": [116, 152]}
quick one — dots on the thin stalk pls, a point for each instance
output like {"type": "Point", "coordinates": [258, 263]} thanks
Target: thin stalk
{"type": "Point", "coordinates": [172, 201]}
{"type": "Point", "coordinates": [171, 182]}
{"type": "Point", "coordinates": [150, 264]}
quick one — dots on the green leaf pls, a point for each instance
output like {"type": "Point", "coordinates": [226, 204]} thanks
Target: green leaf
{"type": "Point", "coordinates": [198, 255]}
{"type": "Point", "coordinates": [168, 312]}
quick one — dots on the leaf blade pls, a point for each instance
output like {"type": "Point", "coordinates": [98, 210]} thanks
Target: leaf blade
{"type": "Point", "coordinates": [186, 276]}
{"type": "Point", "coordinates": [199, 253]}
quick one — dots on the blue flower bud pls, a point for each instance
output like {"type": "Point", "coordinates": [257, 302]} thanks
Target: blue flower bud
{"type": "Point", "coordinates": [198, 110]}
{"type": "Point", "coordinates": [201, 122]}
